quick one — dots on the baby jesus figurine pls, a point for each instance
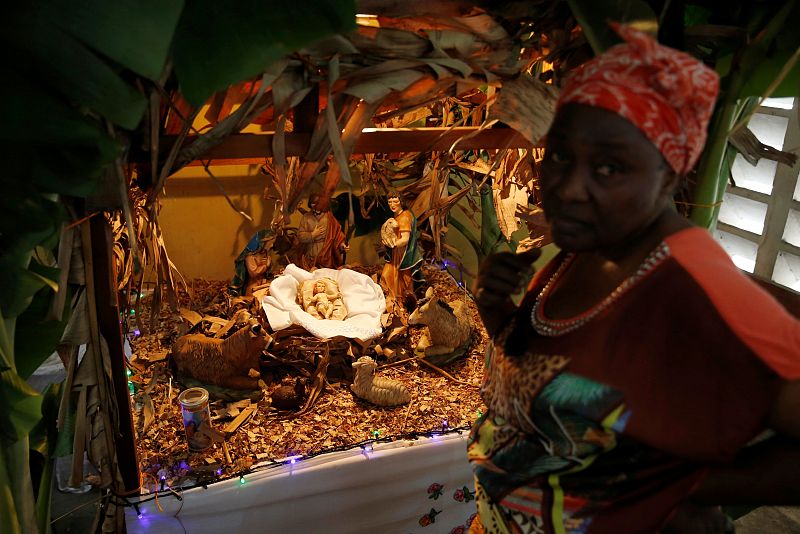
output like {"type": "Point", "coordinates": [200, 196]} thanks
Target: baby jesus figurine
{"type": "Point", "coordinates": [322, 299]}
{"type": "Point", "coordinates": [320, 306]}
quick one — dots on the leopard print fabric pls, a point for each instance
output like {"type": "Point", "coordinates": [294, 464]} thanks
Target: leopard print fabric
{"type": "Point", "coordinates": [510, 385]}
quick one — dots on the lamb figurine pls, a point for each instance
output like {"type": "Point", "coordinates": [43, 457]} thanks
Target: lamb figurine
{"type": "Point", "coordinates": [377, 390]}
{"type": "Point", "coordinates": [448, 329]}
{"type": "Point", "coordinates": [222, 362]}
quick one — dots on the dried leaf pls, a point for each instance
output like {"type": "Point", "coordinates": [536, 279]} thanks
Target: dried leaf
{"type": "Point", "coordinates": [234, 425]}
{"type": "Point", "coordinates": [154, 356]}
{"type": "Point", "coordinates": [191, 316]}
{"type": "Point", "coordinates": [149, 411]}
{"type": "Point", "coordinates": [396, 332]}
{"type": "Point", "coordinates": [526, 104]}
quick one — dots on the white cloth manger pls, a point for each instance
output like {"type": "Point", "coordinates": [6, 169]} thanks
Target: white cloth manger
{"type": "Point", "coordinates": [362, 297]}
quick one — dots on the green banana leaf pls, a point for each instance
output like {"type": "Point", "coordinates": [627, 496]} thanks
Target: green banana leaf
{"type": "Point", "coordinates": [491, 236]}
{"type": "Point", "coordinates": [43, 440]}
{"type": "Point", "coordinates": [594, 16]}
{"type": "Point", "coordinates": [136, 34]}
{"type": "Point", "coordinates": [17, 508]}
{"type": "Point", "coordinates": [220, 43]}
{"type": "Point", "coordinates": [766, 71]}
{"type": "Point", "coordinates": [468, 234]}
{"type": "Point", "coordinates": [712, 177]}
{"type": "Point", "coordinates": [62, 62]}
{"type": "Point", "coordinates": [21, 407]}
{"type": "Point", "coordinates": [35, 339]}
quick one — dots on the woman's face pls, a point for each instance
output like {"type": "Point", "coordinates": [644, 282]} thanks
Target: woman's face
{"type": "Point", "coordinates": [603, 182]}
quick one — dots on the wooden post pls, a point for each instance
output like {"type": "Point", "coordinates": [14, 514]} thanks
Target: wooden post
{"type": "Point", "coordinates": [105, 284]}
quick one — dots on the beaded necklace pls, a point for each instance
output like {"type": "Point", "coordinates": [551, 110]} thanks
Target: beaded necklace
{"type": "Point", "coordinates": [557, 327]}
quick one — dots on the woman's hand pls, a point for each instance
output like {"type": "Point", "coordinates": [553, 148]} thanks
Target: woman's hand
{"type": "Point", "coordinates": [691, 518]}
{"type": "Point", "coordinates": [500, 276]}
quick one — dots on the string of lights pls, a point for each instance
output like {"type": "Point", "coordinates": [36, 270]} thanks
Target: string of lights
{"type": "Point", "coordinates": [163, 490]}
{"type": "Point", "coordinates": [366, 446]}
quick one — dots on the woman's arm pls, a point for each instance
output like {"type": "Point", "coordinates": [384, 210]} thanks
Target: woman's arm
{"type": "Point", "coordinates": [500, 276]}
{"type": "Point", "coordinates": [767, 472]}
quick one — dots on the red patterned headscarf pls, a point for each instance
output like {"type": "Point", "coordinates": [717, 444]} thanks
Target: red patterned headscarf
{"type": "Point", "coordinates": [667, 94]}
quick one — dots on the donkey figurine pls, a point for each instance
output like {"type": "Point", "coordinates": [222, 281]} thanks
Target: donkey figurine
{"type": "Point", "coordinates": [448, 329]}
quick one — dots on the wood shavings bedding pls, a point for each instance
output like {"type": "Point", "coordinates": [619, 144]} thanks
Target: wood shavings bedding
{"type": "Point", "coordinates": [337, 419]}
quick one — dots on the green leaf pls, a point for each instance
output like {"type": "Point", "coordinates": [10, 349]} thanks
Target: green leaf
{"type": "Point", "coordinates": [15, 299]}
{"type": "Point", "coordinates": [21, 202]}
{"type": "Point", "coordinates": [43, 435]}
{"type": "Point", "coordinates": [6, 345]}
{"type": "Point", "coordinates": [766, 71]}
{"type": "Point", "coordinates": [134, 33]}
{"type": "Point", "coordinates": [7, 509]}
{"type": "Point", "coordinates": [220, 43]}
{"type": "Point", "coordinates": [73, 171]}
{"type": "Point", "coordinates": [36, 339]}
{"type": "Point", "coordinates": [693, 15]}
{"type": "Point", "coordinates": [455, 223]}
{"type": "Point", "coordinates": [21, 407]}
{"type": "Point", "coordinates": [34, 114]}
{"type": "Point", "coordinates": [594, 16]}
{"type": "Point", "coordinates": [62, 62]}
{"type": "Point", "coordinates": [490, 229]}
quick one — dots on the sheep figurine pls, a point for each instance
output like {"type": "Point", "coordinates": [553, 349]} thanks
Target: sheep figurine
{"type": "Point", "coordinates": [377, 390]}
{"type": "Point", "coordinates": [448, 330]}
{"type": "Point", "coordinates": [222, 362]}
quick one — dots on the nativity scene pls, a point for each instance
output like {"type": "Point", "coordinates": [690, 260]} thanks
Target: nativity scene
{"type": "Point", "coordinates": [304, 282]}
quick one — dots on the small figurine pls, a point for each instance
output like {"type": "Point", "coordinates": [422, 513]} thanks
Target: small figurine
{"type": "Point", "coordinates": [399, 235]}
{"type": "Point", "coordinates": [321, 238]}
{"type": "Point", "coordinates": [448, 330]}
{"type": "Point", "coordinates": [289, 397]}
{"type": "Point", "coordinates": [252, 265]}
{"type": "Point", "coordinates": [320, 306]}
{"type": "Point", "coordinates": [222, 362]}
{"type": "Point", "coordinates": [377, 390]}
{"type": "Point", "coordinates": [322, 299]}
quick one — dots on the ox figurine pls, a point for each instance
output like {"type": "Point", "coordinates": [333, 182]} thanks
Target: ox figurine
{"type": "Point", "coordinates": [448, 330]}
{"type": "Point", "coordinates": [222, 362]}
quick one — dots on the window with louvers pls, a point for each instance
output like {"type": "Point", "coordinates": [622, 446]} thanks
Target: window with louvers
{"type": "Point", "coordinates": [759, 221]}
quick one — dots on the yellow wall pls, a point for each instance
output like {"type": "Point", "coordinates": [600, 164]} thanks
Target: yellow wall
{"type": "Point", "coordinates": [204, 234]}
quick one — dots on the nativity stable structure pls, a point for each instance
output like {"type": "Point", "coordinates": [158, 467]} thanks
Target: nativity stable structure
{"type": "Point", "coordinates": [316, 354]}
{"type": "Point", "coordinates": [295, 352]}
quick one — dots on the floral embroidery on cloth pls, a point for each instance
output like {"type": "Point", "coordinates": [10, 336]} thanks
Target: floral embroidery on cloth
{"type": "Point", "coordinates": [435, 491]}
{"type": "Point", "coordinates": [429, 518]}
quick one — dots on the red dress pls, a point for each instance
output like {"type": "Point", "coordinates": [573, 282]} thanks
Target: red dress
{"type": "Point", "coordinates": [609, 426]}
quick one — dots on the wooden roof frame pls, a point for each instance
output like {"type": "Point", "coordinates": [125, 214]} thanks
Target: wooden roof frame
{"type": "Point", "coordinates": [253, 148]}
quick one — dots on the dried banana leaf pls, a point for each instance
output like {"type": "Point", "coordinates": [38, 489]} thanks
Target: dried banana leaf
{"type": "Point", "coordinates": [526, 104]}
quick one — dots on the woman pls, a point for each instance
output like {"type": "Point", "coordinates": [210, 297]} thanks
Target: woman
{"type": "Point", "coordinates": [623, 390]}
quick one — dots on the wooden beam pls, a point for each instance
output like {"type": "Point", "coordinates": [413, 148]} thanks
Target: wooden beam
{"type": "Point", "coordinates": [104, 278]}
{"type": "Point", "coordinates": [253, 148]}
